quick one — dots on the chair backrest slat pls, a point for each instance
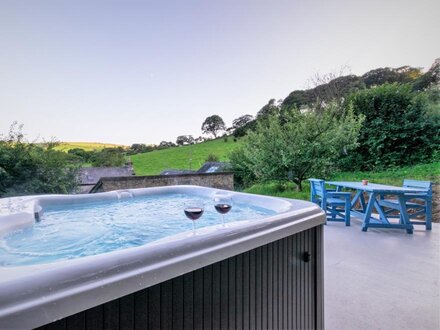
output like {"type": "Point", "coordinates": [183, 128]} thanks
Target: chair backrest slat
{"type": "Point", "coordinates": [317, 187]}
{"type": "Point", "coordinates": [427, 185]}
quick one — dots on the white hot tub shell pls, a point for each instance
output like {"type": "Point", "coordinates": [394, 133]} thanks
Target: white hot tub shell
{"type": "Point", "coordinates": [35, 295]}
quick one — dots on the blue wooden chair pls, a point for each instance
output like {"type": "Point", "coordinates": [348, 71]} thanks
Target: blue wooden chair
{"type": "Point", "coordinates": [335, 204]}
{"type": "Point", "coordinates": [418, 203]}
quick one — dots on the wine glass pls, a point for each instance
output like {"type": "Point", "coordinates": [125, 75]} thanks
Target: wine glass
{"type": "Point", "coordinates": [222, 204]}
{"type": "Point", "coordinates": [193, 211]}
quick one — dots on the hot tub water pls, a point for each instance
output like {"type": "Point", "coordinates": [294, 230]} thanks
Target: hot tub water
{"type": "Point", "coordinates": [72, 231]}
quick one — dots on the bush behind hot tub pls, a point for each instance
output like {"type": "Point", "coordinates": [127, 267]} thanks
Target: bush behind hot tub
{"type": "Point", "coordinates": [28, 168]}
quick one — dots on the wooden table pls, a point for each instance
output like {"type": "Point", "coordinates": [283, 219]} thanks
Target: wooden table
{"type": "Point", "coordinates": [366, 209]}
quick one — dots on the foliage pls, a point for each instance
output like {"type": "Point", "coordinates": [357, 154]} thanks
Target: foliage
{"type": "Point", "coordinates": [165, 144]}
{"type": "Point", "coordinates": [304, 144]}
{"type": "Point", "coordinates": [395, 177]}
{"type": "Point", "coordinates": [242, 131]}
{"type": "Point", "coordinates": [152, 163]}
{"type": "Point", "coordinates": [272, 108]}
{"type": "Point", "coordinates": [213, 124]}
{"type": "Point", "coordinates": [327, 91]}
{"type": "Point", "coordinates": [382, 76]}
{"type": "Point", "coordinates": [398, 129]}
{"type": "Point", "coordinates": [108, 157]}
{"type": "Point", "coordinates": [30, 168]}
{"type": "Point", "coordinates": [212, 158]}
{"type": "Point", "coordinates": [241, 121]}
{"type": "Point", "coordinates": [428, 79]}
{"type": "Point", "coordinates": [331, 87]}
{"type": "Point", "coordinates": [138, 148]}
{"type": "Point", "coordinates": [81, 154]}
{"type": "Point", "coordinates": [184, 139]}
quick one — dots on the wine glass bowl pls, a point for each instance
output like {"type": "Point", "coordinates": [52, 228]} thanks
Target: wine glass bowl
{"type": "Point", "coordinates": [222, 204]}
{"type": "Point", "coordinates": [222, 208]}
{"type": "Point", "coordinates": [193, 211]}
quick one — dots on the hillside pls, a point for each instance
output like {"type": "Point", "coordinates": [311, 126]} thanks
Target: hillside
{"type": "Point", "coordinates": [152, 163]}
{"type": "Point", "coordinates": [340, 87]}
{"type": "Point", "coordinates": [87, 146]}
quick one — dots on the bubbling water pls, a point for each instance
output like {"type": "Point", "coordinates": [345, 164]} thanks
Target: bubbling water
{"type": "Point", "coordinates": [73, 231]}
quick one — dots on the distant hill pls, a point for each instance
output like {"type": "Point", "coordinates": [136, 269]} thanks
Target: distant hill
{"type": "Point", "coordinates": [87, 146]}
{"type": "Point", "coordinates": [154, 162]}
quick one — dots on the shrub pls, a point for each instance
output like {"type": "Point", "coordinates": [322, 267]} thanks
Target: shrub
{"type": "Point", "coordinates": [108, 157]}
{"type": "Point", "coordinates": [30, 168]}
{"type": "Point", "coordinates": [400, 128]}
{"type": "Point", "coordinates": [212, 158]}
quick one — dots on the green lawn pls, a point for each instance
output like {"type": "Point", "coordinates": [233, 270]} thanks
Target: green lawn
{"type": "Point", "coordinates": [152, 163]}
{"type": "Point", "coordinates": [87, 146]}
{"type": "Point", "coordinates": [428, 172]}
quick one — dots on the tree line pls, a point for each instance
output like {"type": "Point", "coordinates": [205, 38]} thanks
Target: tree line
{"type": "Point", "coordinates": [391, 119]}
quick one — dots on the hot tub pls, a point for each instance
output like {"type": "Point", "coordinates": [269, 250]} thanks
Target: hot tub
{"type": "Point", "coordinates": [263, 269]}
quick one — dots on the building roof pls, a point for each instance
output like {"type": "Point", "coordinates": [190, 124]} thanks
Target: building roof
{"type": "Point", "coordinates": [176, 172]}
{"type": "Point", "coordinates": [212, 167]}
{"type": "Point", "coordinates": [208, 167]}
{"type": "Point", "coordinates": [91, 175]}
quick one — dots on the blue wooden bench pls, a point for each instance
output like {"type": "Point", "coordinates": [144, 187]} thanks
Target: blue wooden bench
{"type": "Point", "coordinates": [418, 203]}
{"type": "Point", "coordinates": [335, 204]}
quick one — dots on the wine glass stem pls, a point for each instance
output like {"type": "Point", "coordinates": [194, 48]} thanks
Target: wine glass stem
{"type": "Point", "coordinates": [223, 219]}
{"type": "Point", "coordinates": [194, 227]}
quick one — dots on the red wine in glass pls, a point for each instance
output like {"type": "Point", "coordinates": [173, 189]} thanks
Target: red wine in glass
{"type": "Point", "coordinates": [223, 208]}
{"type": "Point", "coordinates": [222, 204]}
{"type": "Point", "coordinates": [193, 211]}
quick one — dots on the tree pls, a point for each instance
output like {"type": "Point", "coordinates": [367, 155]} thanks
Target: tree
{"type": "Point", "coordinates": [166, 144]}
{"type": "Point", "coordinates": [109, 157]}
{"type": "Point", "coordinates": [431, 77]}
{"type": "Point", "coordinates": [31, 168]}
{"type": "Point", "coordinates": [242, 131]}
{"type": "Point", "coordinates": [306, 144]}
{"type": "Point", "coordinates": [213, 124]}
{"type": "Point", "coordinates": [184, 139]}
{"type": "Point", "coordinates": [241, 121]}
{"type": "Point", "coordinates": [81, 154]}
{"type": "Point", "coordinates": [139, 148]}
{"type": "Point", "coordinates": [271, 108]}
{"type": "Point", "coordinates": [382, 76]}
{"type": "Point", "coordinates": [212, 158]}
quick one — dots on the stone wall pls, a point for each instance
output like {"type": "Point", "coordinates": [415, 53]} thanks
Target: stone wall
{"type": "Point", "coordinates": [224, 180]}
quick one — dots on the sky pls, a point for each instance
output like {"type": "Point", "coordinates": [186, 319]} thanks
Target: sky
{"type": "Point", "coordinates": [145, 71]}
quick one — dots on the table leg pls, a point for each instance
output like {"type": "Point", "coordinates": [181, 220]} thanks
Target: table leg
{"type": "Point", "coordinates": [362, 201]}
{"type": "Point", "coordinates": [368, 211]}
{"type": "Point", "coordinates": [404, 215]}
{"type": "Point", "coordinates": [355, 198]}
{"type": "Point", "coordinates": [382, 214]}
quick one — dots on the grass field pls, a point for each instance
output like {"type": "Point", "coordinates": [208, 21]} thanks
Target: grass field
{"type": "Point", "coordinates": [428, 172]}
{"type": "Point", "coordinates": [87, 146]}
{"type": "Point", "coordinates": [152, 163]}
